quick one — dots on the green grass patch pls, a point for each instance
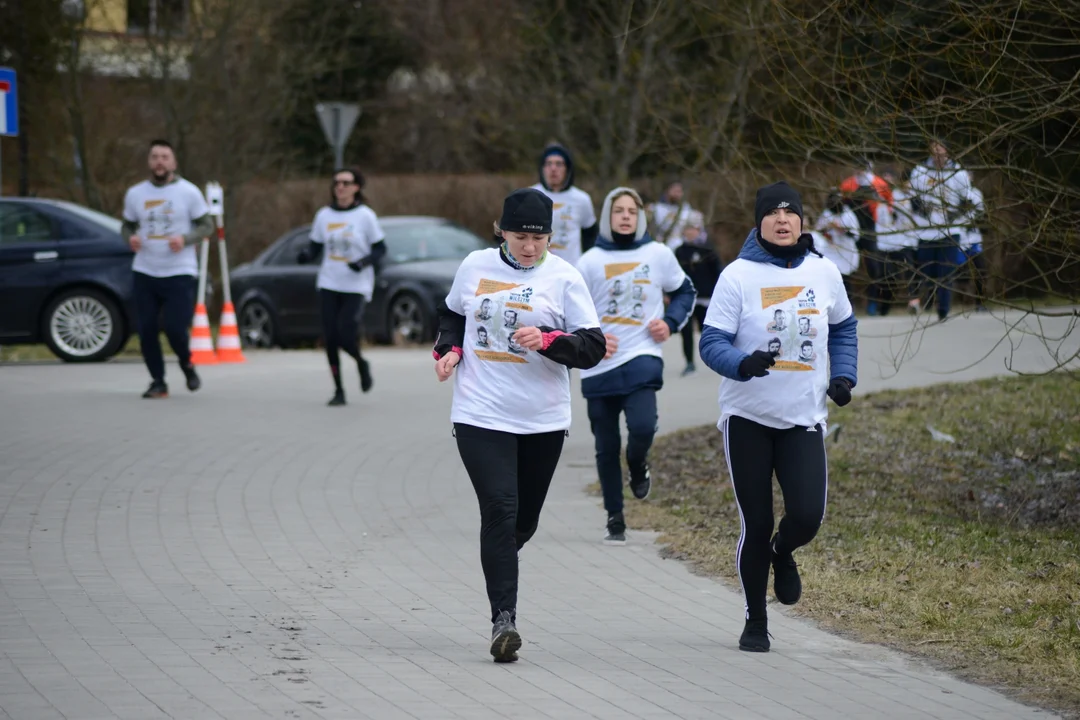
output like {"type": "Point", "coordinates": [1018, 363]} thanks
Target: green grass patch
{"type": "Point", "coordinates": [966, 553]}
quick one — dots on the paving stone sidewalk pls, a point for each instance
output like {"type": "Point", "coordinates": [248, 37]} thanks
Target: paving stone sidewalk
{"type": "Point", "coordinates": [247, 552]}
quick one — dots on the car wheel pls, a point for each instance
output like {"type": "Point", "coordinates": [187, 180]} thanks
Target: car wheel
{"type": "Point", "coordinates": [83, 325]}
{"type": "Point", "coordinates": [256, 325]}
{"type": "Point", "coordinates": [408, 318]}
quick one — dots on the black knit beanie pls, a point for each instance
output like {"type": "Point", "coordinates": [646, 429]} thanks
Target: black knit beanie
{"type": "Point", "coordinates": [526, 210]}
{"type": "Point", "coordinates": [772, 197]}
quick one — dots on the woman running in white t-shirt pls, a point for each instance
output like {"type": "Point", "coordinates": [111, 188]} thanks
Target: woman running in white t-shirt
{"type": "Point", "coordinates": [349, 231]}
{"type": "Point", "coordinates": [515, 320]}
{"type": "Point", "coordinates": [781, 331]}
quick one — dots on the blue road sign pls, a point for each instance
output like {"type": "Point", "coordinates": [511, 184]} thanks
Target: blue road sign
{"type": "Point", "coordinates": [9, 103]}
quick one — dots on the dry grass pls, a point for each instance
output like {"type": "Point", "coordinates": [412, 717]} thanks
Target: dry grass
{"type": "Point", "coordinates": [965, 553]}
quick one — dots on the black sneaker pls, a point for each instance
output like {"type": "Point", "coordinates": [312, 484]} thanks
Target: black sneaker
{"type": "Point", "coordinates": [786, 582]}
{"type": "Point", "coordinates": [157, 390]}
{"type": "Point", "coordinates": [755, 636]}
{"type": "Point", "coordinates": [338, 399]}
{"type": "Point", "coordinates": [616, 530]}
{"type": "Point", "coordinates": [689, 370]}
{"type": "Point", "coordinates": [640, 481]}
{"type": "Point", "coordinates": [193, 381]}
{"type": "Point", "coordinates": [505, 640]}
{"type": "Point", "coordinates": [365, 376]}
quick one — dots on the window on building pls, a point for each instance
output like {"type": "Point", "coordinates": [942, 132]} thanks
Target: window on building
{"type": "Point", "coordinates": [157, 17]}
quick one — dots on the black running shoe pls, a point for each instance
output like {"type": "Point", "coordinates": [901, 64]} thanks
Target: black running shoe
{"type": "Point", "coordinates": [616, 530]}
{"type": "Point", "coordinates": [365, 375]}
{"type": "Point", "coordinates": [640, 481]}
{"type": "Point", "coordinates": [338, 399]}
{"type": "Point", "coordinates": [786, 582]}
{"type": "Point", "coordinates": [157, 390]}
{"type": "Point", "coordinates": [755, 636]}
{"type": "Point", "coordinates": [193, 381]}
{"type": "Point", "coordinates": [505, 640]}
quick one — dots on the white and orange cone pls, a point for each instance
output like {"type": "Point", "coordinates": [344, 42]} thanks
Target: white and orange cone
{"type": "Point", "coordinates": [202, 344]}
{"type": "Point", "coordinates": [228, 348]}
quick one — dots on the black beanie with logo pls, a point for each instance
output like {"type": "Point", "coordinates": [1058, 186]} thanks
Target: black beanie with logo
{"type": "Point", "coordinates": [772, 197]}
{"type": "Point", "coordinates": [526, 210]}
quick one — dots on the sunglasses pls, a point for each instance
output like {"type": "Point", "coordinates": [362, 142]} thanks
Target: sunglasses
{"type": "Point", "coordinates": [344, 182]}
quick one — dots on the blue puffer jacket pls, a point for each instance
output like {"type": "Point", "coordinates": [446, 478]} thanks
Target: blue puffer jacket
{"type": "Point", "coordinates": [719, 352]}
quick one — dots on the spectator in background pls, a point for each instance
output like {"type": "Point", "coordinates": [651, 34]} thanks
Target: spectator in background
{"type": "Point", "coordinates": [702, 265]}
{"type": "Point", "coordinates": [897, 239]}
{"type": "Point", "coordinates": [670, 215]}
{"type": "Point", "coordinates": [837, 231]}
{"type": "Point", "coordinates": [940, 188]}
{"type": "Point", "coordinates": [864, 192]}
{"type": "Point", "coordinates": [574, 223]}
{"type": "Point", "coordinates": [971, 261]}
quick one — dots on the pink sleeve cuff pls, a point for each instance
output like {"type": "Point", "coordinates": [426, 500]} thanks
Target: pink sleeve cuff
{"type": "Point", "coordinates": [435, 353]}
{"type": "Point", "coordinates": [549, 337]}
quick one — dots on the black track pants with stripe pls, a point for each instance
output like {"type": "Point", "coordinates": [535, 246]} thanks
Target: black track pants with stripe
{"type": "Point", "coordinates": [797, 456]}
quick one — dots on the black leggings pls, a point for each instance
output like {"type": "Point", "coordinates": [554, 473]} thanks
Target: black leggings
{"type": "Point", "coordinates": [511, 475]}
{"type": "Point", "coordinates": [341, 314]}
{"type": "Point", "coordinates": [797, 455]}
{"type": "Point", "coordinates": [169, 299]}
{"type": "Point", "coordinates": [688, 332]}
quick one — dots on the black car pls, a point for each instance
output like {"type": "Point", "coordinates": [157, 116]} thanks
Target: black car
{"type": "Point", "coordinates": [65, 279]}
{"type": "Point", "coordinates": [277, 304]}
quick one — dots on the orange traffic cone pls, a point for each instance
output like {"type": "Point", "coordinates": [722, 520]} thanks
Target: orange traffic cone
{"type": "Point", "coordinates": [202, 345]}
{"type": "Point", "coordinates": [228, 341]}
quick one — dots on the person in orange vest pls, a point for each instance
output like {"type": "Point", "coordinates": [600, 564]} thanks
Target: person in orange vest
{"type": "Point", "coordinates": [863, 192]}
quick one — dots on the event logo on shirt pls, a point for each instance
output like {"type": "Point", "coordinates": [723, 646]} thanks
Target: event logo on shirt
{"type": "Point", "coordinates": [520, 300]}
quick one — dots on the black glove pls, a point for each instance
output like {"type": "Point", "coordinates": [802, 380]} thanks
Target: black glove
{"type": "Point", "coordinates": [840, 391]}
{"type": "Point", "coordinates": [757, 364]}
{"type": "Point", "coordinates": [303, 257]}
{"type": "Point", "coordinates": [356, 266]}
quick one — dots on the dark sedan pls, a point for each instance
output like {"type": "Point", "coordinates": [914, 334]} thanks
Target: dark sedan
{"type": "Point", "coordinates": [65, 279]}
{"type": "Point", "coordinates": [277, 303]}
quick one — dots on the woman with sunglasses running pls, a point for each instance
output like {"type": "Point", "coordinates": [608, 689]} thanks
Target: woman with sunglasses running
{"type": "Point", "coordinates": [515, 320]}
{"type": "Point", "coordinates": [349, 231]}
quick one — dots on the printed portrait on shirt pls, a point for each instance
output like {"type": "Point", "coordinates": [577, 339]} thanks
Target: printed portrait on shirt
{"type": "Point", "coordinates": [484, 311]}
{"type": "Point", "coordinates": [510, 318]}
{"type": "Point", "coordinates": [339, 239]}
{"type": "Point", "coordinates": [626, 278]}
{"type": "Point", "coordinates": [513, 346]}
{"type": "Point", "coordinates": [779, 321]}
{"type": "Point", "coordinates": [159, 219]}
{"type": "Point", "coordinates": [482, 337]}
{"type": "Point", "coordinates": [806, 327]}
{"type": "Point", "coordinates": [792, 313]}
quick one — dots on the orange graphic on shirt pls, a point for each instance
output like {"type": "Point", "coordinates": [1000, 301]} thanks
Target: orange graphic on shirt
{"type": "Point", "coordinates": [616, 320]}
{"type": "Point", "coordinates": [791, 365]}
{"type": "Point", "coordinates": [519, 306]}
{"type": "Point", "coordinates": [776, 295]}
{"type": "Point", "coordinates": [616, 269]}
{"type": "Point", "coordinates": [808, 311]}
{"type": "Point", "coordinates": [335, 226]}
{"type": "Point", "coordinates": [490, 287]}
{"type": "Point", "coordinates": [556, 206]}
{"type": "Point", "coordinates": [149, 204]}
{"type": "Point", "coordinates": [493, 356]}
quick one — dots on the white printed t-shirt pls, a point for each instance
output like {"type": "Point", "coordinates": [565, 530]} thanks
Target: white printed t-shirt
{"type": "Point", "coordinates": [786, 309]}
{"type": "Point", "coordinates": [347, 236]}
{"type": "Point", "coordinates": [163, 211]}
{"type": "Point", "coordinates": [628, 287]}
{"type": "Point", "coordinates": [500, 385]}
{"type": "Point", "coordinates": [572, 212]}
{"type": "Point", "coordinates": [839, 245]}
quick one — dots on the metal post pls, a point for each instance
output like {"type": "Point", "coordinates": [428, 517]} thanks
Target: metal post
{"type": "Point", "coordinates": [223, 258]}
{"type": "Point", "coordinates": [339, 147]}
{"type": "Point", "coordinates": [204, 262]}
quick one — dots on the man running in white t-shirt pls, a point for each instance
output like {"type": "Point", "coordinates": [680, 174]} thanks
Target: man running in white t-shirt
{"type": "Point", "coordinates": [164, 217]}
{"type": "Point", "coordinates": [574, 225]}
